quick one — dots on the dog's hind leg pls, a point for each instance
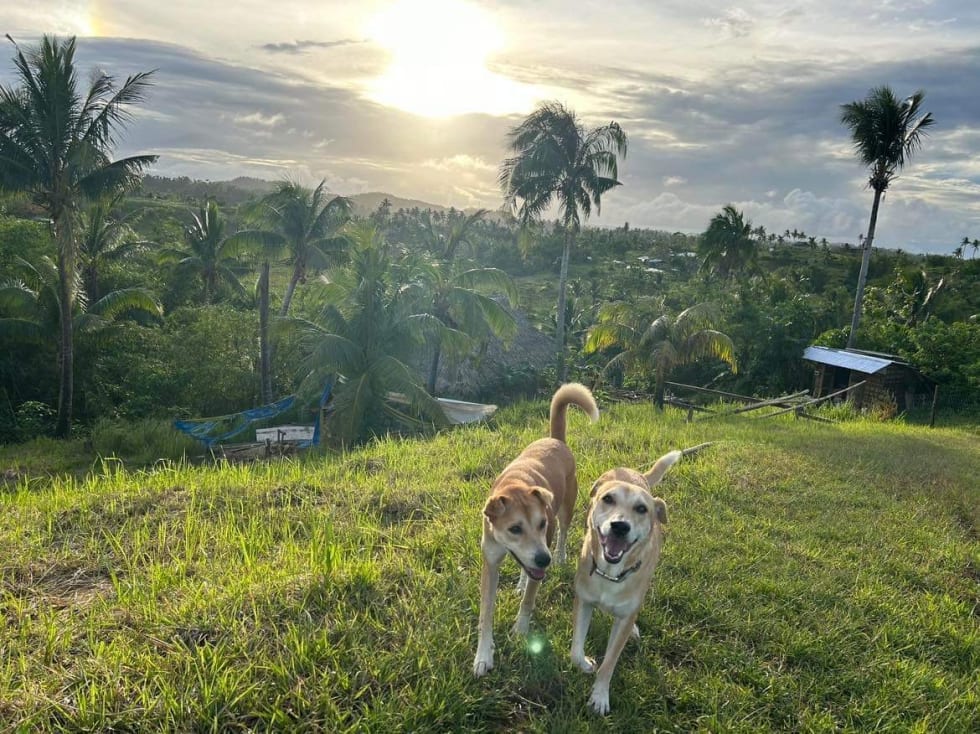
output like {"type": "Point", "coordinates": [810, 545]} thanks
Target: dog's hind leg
{"type": "Point", "coordinates": [523, 623]}
{"type": "Point", "coordinates": [564, 516]}
{"type": "Point", "coordinates": [521, 583]}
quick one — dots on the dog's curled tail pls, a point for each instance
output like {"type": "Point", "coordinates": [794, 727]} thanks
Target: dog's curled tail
{"type": "Point", "coordinates": [571, 393]}
{"type": "Point", "coordinates": [658, 470]}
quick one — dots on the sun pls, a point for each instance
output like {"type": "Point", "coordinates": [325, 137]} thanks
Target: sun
{"type": "Point", "coordinates": [439, 51]}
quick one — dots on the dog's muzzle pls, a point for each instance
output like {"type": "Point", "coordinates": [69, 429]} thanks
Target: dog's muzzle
{"type": "Point", "coordinates": [542, 560]}
{"type": "Point", "coordinates": [616, 542]}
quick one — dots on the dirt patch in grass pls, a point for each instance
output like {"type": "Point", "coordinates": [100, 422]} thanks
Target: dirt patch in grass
{"type": "Point", "coordinates": [58, 585]}
{"type": "Point", "coordinates": [396, 510]}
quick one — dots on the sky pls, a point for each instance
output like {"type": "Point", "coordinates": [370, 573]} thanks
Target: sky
{"type": "Point", "coordinates": [723, 103]}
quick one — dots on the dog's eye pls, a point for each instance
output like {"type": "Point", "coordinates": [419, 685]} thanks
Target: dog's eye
{"type": "Point", "coordinates": [543, 523]}
{"type": "Point", "coordinates": [608, 499]}
{"type": "Point", "coordinates": [641, 509]}
{"type": "Point", "coordinates": [515, 529]}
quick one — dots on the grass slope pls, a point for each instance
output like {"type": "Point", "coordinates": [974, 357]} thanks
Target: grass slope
{"type": "Point", "coordinates": [816, 578]}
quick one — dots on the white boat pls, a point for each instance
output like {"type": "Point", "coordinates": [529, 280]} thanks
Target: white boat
{"type": "Point", "coordinates": [459, 411]}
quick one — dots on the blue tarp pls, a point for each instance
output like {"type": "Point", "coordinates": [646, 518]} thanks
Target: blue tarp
{"type": "Point", "coordinates": [211, 431]}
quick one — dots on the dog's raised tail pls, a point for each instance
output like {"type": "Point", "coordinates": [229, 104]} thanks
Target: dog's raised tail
{"type": "Point", "coordinates": [571, 393]}
{"type": "Point", "coordinates": [658, 470]}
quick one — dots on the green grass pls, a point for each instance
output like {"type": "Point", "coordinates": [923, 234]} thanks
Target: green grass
{"type": "Point", "coordinates": [816, 578]}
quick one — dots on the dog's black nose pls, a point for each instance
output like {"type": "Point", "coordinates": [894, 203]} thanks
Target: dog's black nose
{"type": "Point", "coordinates": [542, 559]}
{"type": "Point", "coordinates": [619, 528]}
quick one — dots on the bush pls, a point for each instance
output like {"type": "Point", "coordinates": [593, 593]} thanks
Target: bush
{"type": "Point", "coordinates": [34, 419]}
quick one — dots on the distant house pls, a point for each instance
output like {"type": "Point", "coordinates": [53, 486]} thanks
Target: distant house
{"type": "Point", "coordinates": [886, 377]}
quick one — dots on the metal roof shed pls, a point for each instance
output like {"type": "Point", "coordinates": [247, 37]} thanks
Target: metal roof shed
{"type": "Point", "coordinates": [886, 377]}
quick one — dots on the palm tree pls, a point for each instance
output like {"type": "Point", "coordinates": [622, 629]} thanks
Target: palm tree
{"type": "Point", "coordinates": [309, 223]}
{"type": "Point", "coordinates": [660, 345]}
{"type": "Point", "coordinates": [557, 160]}
{"type": "Point", "coordinates": [31, 304]}
{"type": "Point", "coordinates": [460, 298]}
{"type": "Point", "coordinates": [103, 239]}
{"type": "Point", "coordinates": [296, 219]}
{"type": "Point", "coordinates": [461, 291]}
{"type": "Point", "coordinates": [371, 323]}
{"type": "Point", "coordinates": [209, 253]}
{"type": "Point", "coordinates": [265, 246]}
{"type": "Point", "coordinates": [728, 245]}
{"type": "Point", "coordinates": [886, 132]}
{"type": "Point", "coordinates": [56, 142]}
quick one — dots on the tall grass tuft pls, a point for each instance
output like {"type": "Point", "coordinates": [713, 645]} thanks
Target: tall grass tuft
{"type": "Point", "coordinates": [141, 442]}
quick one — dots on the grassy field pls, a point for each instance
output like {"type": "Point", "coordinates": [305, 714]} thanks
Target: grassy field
{"type": "Point", "coordinates": [816, 578]}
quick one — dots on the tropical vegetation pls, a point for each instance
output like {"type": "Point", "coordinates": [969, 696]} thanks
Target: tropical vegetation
{"type": "Point", "coordinates": [466, 299]}
{"type": "Point", "coordinates": [56, 143]}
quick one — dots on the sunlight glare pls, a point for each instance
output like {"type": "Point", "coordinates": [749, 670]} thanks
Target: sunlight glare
{"type": "Point", "coordinates": [439, 50]}
{"type": "Point", "coordinates": [536, 644]}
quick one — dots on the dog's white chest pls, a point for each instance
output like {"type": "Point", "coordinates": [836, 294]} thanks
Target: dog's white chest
{"type": "Point", "coordinates": [617, 598]}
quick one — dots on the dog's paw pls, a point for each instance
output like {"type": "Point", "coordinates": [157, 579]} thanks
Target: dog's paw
{"type": "Point", "coordinates": [482, 665]}
{"type": "Point", "coordinates": [600, 699]}
{"type": "Point", "coordinates": [635, 634]}
{"type": "Point", "coordinates": [586, 665]}
{"type": "Point", "coordinates": [521, 627]}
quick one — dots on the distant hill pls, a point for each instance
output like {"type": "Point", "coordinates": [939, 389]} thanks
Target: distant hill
{"type": "Point", "coordinates": [364, 204]}
{"type": "Point", "coordinates": [245, 188]}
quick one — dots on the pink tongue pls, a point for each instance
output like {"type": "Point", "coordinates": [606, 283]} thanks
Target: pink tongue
{"type": "Point", "coordinates": [535, 573]}
{"type": "Point", "coordinates": [614, 546]}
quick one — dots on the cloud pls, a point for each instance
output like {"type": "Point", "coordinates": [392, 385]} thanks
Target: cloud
{"type": "Point", "coordinates": [257, 118]}
{"type": "Point", "coordinates": [460, 161]}
{"type": "Point", "coordinates": [760, 130]}
{"type": "Point", "coordinates": [301, 47]}
{"type": "Point", "coordinates": [734, 22]}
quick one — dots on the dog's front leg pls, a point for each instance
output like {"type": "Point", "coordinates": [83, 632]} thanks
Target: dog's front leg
{"type": "Point", "coordinates": [582, 616]}
{"type": "Point", "coordinates": [488, 595]}
{"type": "Point", "coordinates": [620, 633]}
{"type": "Point", "coordinates": [560, 554]}
{"type": "Point", "coordinates": [523, 623]}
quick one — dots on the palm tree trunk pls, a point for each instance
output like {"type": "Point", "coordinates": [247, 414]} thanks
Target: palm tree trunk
{"type": "Point", "coordinates": [863, 274]}
{"type": "Point", "coordinates": [66, 347]}
{"type": "Point", "coordinates": [562, 367]}
{"type": "Point", "coordinates": [265, 355]}
{"type": "Point", "coordinates": [659, 388]}
{"type": "Point", "coordinates": [434, 371]}
{"type": "Point", "coordinates": [290, 289]}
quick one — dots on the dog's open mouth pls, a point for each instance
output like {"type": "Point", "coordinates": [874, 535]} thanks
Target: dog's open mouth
{"type": "Point", "coordinates": [614, 547]}
{"type": "Point", "coordinates": [533, 571]}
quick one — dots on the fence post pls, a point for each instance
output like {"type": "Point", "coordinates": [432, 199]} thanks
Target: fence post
{"type": "Point", "coordinates": [935, 399]}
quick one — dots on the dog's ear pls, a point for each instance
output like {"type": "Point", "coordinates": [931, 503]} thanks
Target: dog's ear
{"type": "Point", "coordinates": [495, 507]}
{"type": "Point", "coordinates": [595, 488]}
{"type": "Point", "coordinates": [658, 470]}
{"type": "Point", "coordinates": [545, 497]}
{"type": "Point", "coordinates": [660, 510]}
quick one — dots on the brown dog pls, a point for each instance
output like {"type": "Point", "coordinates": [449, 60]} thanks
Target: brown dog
{"type": "Point", "coordinates": [530, 494]}
{"type": "Point", "coordinates": [623, 540]}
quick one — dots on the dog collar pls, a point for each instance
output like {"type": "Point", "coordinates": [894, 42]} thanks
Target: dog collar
{"type": "Point", "coordinates": [614, 579]}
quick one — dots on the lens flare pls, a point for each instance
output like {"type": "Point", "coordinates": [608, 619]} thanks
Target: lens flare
{"type": "Point", "coordinates": [536, 644]}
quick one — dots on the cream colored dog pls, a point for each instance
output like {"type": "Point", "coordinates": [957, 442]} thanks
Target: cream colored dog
{"type": "Point", "coordinates": [623, 540]}
{"type": "Point", "coordinates": [530, 494]}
